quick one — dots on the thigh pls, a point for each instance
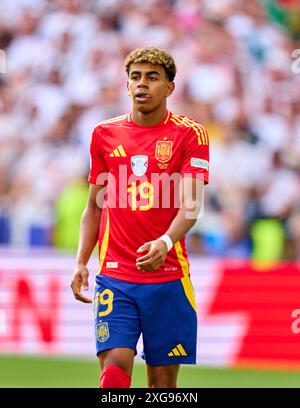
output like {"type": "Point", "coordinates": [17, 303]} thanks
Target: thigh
{"type": "Point", "coordinates": [169, 324]}
{"type": "Point", "coordinates": [117, 322]}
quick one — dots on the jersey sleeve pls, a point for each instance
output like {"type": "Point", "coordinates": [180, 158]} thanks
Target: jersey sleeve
{"type": "Point", "coordinates": [97, 162]}
{"type": "Point", "coordinates": [195, 159]}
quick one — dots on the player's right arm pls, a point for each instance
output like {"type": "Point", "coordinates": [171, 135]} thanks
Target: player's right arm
{"type": "Point", "coordinates": [88, 237]}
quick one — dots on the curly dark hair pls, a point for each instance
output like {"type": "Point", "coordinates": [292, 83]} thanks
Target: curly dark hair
{"type": "Point", "coordinates": [152, 55]}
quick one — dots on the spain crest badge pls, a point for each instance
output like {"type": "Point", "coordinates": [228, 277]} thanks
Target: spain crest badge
{"type": "Point", "coordinates": [163, 151]}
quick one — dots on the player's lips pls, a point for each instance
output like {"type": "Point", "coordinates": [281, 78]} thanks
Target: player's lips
{"type": "Point", "coordinates": [142, 96]}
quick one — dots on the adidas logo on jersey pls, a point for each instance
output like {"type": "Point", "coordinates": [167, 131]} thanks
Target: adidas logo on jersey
{"type": "Point", "coordinates": [118, 152]}
{"type": "Point", "coordinates": [177, 351]}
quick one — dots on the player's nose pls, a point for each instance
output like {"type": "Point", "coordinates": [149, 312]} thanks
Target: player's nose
{"type": "Point", "coordinates": [142, 82]}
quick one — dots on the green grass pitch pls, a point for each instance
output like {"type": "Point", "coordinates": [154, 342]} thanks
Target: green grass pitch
{"type": "Point", "coordinates": [57, 372]}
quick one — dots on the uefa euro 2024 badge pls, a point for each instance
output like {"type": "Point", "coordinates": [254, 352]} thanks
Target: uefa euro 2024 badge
{"type": "Point", "coordinates": [139, 164]}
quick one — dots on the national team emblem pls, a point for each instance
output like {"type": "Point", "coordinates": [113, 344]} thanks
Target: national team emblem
{"type": "Point", "coordinates": [102, 332]}
{"type": "Point", "coordinates": [139, 164]}
{"type": "Point", "coordinates": [163, 151]}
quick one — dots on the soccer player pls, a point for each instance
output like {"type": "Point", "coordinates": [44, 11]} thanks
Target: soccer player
{"type": "Point", "coordinates": [148, 169]}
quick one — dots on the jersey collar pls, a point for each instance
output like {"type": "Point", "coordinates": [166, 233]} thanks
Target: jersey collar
{"type": "Point", "coordinates": [164, 122]}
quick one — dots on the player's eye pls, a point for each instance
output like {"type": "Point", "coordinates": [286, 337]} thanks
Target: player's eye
{"type": "Point", "coordinates": [153, 78]}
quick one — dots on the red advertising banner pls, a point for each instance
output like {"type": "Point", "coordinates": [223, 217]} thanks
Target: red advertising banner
{"type": "Point", "coordinates": [270, 300]}
{"type": "Point", "coordinates": [38, 313]}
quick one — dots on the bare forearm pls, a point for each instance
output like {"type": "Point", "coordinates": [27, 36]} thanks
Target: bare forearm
{"type": "Point", "coordinates": [88, 234]}
{"type": "Point", "coordinates": [180, 225]}
{"type": "Point", "coordinates": [192, 201]}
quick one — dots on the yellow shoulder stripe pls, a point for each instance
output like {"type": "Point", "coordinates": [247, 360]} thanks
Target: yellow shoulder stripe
{"type": "Point", "coordinates": [181, 121]}
{"type": "Point", "coordinates": [195, 126]}
{"type": "Point", "coordinates": [198, 129]}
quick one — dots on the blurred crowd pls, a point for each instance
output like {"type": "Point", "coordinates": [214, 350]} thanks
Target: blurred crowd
{"type": "Point", "coordinates": [64, 73]}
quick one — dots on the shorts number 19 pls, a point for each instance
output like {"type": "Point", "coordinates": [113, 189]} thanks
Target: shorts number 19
{"type": "Point", "coordinates": [106, 298]}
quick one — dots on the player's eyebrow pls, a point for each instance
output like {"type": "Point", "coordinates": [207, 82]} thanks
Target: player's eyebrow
{"type": "Point", "coordinates": [148, 72]}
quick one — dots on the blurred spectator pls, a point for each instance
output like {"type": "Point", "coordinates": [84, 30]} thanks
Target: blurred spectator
{"type": "Point", "coordinates": [293, 233]}
{"type": "Point", "coordinates": [268, 241]}
{"type": "Point", "coordinates": [286, 13]}
{"type": "Point", "coordinates": [68, 209]}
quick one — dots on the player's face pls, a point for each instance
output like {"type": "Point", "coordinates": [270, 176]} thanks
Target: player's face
{"type": "Point", "coordinates": [148, 86]}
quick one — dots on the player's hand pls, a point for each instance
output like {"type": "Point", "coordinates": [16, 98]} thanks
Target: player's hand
{"type": "Point", "coordinates": [156, 254]}
{"type": "Point", "coordinates": [80, 278]}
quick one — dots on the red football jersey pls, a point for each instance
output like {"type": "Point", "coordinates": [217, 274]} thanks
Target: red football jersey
{"type": "Point", "coordinates": [141, 167]}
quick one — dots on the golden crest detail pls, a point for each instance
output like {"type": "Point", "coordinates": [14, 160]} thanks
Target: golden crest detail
{"type": "Point", "coordinates": [163, 151]}
{"type": "Point", "coordinates": [102, 332]}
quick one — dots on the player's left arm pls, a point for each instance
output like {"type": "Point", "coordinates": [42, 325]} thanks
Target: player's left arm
{"type": "Point", "coordinates": [191, 197]}
{"type": "Point", "coordinates": [194, 170]}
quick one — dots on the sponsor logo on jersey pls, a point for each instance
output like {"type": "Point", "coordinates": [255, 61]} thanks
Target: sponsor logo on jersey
{"type": "Point", "coordinates": [163, 151]}
{"type": "Point", "coordinates": [139, 164]}
{"type": "Point", "coordinates": [200, 163]}
{"type": "Point", "coordinates": [102, 332]}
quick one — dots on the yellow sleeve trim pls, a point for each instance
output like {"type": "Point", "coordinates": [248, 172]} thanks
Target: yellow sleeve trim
{"type": "Point", "coordinates": [198, 129]}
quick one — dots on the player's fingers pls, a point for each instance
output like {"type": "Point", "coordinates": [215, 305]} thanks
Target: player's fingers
{"type": "Point", "coordinates": [156, 257]}
{"type": "Point", "coordinates": [144, 258]}
{"type": "Point", "coordinates": [153, 253]}
{"type": "Point", "coordinates": [155, 263]}
{"type": "Point", "coordinates": [146, 261]}
{"type": "Point", "coordinates": [147, 268]}
{"type": "Point", "coordinates": [85, 282]}
{"type": "Point", "coordinates": [153, 266]}
{"type": "Point", "coordinates": [143, 265]}
{"type": "Point", "coordinates": [75, 286]}
{"type": "Point", "coordinates": [77, 295]}
{"type": "Point", "coordinates": [144, 247]}
{"type": "Point", "coordinates": [82, 298]}
{"type": "Point", "coordinates": [150, 265]}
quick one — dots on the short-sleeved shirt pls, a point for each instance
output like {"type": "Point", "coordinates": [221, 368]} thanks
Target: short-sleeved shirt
{"type": "Point", "coordinates": [141, 168]}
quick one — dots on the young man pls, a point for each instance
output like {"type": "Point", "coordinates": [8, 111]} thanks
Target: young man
{"type": "Point", "coordinates": [151, 165]}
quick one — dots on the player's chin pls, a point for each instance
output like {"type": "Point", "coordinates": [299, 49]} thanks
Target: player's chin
{"type": "Point", "coordinates": [144, 108]}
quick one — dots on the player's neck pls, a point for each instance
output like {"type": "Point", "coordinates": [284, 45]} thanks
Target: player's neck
{"type": "Point", "coordinates": [148, 119]}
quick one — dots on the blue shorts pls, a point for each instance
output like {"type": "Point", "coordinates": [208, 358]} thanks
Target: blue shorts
{"type": "Point", "coordinates": [165, 314]}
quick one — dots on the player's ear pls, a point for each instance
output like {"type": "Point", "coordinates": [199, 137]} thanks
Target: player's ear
{"type": "Point", "coordinates": [170, 88]}
{"type": "Point", "coordinates": [127, 85]}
